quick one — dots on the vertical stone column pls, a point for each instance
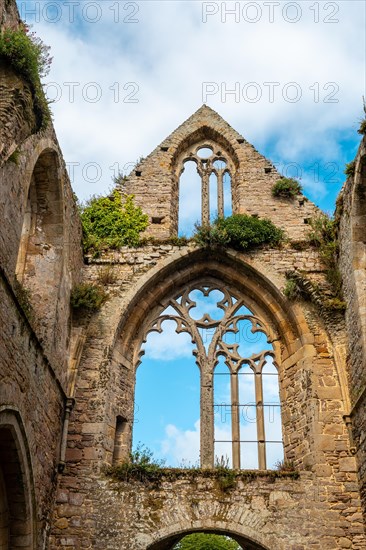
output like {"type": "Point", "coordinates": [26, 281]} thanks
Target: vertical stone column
{"type": "Point", "coordinates": [205, 175]}
{"type": "Point", "coordinates": [235, 421]}
{"type": "Point", "coordinates": [220, 193]}
{"type": "Point", "coordinates": [207, 418]}
{"type": "Point", "coordinates": [260, 422]}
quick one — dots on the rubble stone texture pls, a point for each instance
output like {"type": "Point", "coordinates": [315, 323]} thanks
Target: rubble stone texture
{"type": "Point", "coordinates": [67, 380]}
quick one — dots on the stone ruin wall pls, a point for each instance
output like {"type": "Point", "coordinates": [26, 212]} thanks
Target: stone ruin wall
{"type": "Point", "coordinates": [314, 396]}
{"type": "Point", "coordinates": [155, 180]}
{"type": "Point", "coordinates": [313, 380]}
{"type": "Point", "coordinates": [321, 509]}
{"type": "Point", "coordinates": [352, 238]}
{"type": "Point", "coordinates": [35, 335]}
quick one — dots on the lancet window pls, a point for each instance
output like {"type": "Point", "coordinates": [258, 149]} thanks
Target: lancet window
{"type": "Point", "coordinates": [205, 175]}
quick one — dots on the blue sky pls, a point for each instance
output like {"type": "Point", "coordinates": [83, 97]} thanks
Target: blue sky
{"type": "Point", "coordinates": [125, 74]}
{"type": "Point", "coordinates": [289, 76]}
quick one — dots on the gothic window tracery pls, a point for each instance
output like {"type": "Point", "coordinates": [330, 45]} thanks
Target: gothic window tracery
{"type": "Point", "coordinates": [240, 407]}
{"type": "Point", "coordinates": [205, 172]}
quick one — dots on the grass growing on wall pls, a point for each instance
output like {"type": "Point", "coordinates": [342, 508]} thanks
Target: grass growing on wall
{"type": "Point", "coordinates": [350, 169]}
{"type": "Point", "coordinates": [29, 57]}
{"type": "Point", "coordinates": [143, 467]}
{"type": "Point", "coordinates": [323, 235]}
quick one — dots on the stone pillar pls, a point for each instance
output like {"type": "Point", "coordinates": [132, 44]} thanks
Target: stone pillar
{"type": "Point", "coordinates": [205, 197]}
{"type": "Point", "coordinates": [260, 422]}
{"type": "Point", "coordinates": [207, 420]}
{"type": "Point", "coordinates": [235, 422]}
{"type": "Point", "coordinates": [220, 194]}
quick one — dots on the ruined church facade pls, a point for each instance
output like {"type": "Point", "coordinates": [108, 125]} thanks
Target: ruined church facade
{"type": "Point", "coordinates": [67, 381]}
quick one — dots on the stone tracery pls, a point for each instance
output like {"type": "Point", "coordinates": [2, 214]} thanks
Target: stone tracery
{"type": "Point", "coordinates": [214, 316]}
{"type": "Point", "coordinates": [211, 160]}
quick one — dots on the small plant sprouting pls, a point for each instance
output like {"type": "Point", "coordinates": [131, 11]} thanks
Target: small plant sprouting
{"type": "Point", "coordinates": [285, 466]}
{"type": "Point", "coordinates": [179, 241]}
{"type": "Point", "coordinates": [362, 128]}
{"type": "Point", "coordinates": [226, 477]}
{"type": "Point", "coordinates": [23, 295]}
{"type": "Point", "coordinates": [120, 179]}
{"type": "Point", "coordinates": [287, 188]}
{"type": "Point", "coordinates": [335, 304]}
{"type": "Point", "coordinates": [88, 296]}
{"type": "Point", "coordinates": [323, 235]}
{"type": "Point", "coordinates": [141, 466]}
{"type": "Point", "coordinates": [350, 169]}
{"type": "Point", "coordinates": [107, 275]}
{"type": "Point", "coordinates": [14, 157]}
{"type": "Point", "coordinates": [291, 289]}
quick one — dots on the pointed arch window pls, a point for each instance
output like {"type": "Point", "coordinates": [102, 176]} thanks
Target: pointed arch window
{"type": "Point", "coordinates": [205, 174]}
{"type": "Point", "coordinates": [240, 411]}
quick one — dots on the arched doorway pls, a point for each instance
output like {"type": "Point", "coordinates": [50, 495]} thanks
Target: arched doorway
{"type": "Point", "coordinates": [169, 542]}
{"type": "Point", "coordinates": [16, 493]}
{"type": "Point", "coordinates": [4, 515]}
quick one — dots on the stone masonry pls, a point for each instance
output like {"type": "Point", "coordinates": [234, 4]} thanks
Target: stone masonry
{"type": "Point", "coordinates": [67, 378]}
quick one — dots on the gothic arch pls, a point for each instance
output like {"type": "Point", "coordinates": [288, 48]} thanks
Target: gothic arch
{"type": "Point", "coordinates": [222, 150]}
{"type": "Point", "coordinates": [42, 232]}
{"type": "Point", "coordinates": [261, 289]}
{"type": "Point", "coordinates": [17, 527]}
{"type": "Point", "coordinates": [41, 251]}
{"type": "Point", "coordinates": [289, 334]}
{"type": "Point", "coordinates": [262, 293]}
{"type": "Point", "coordinates": [202, 134]}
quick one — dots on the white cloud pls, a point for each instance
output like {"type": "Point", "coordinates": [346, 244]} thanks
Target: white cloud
{"type": "Point", "coordinates": [169, 53]}
{"type": "Point", "coordinates": [181, 447]}
{"type": "Point", "coordinates": [168, 345]}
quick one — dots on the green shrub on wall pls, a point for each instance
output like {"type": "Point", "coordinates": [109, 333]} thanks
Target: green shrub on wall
{"type": "Point", "coordinates": [88, 296]}
{"type": "Point", "coordinates": [140, 465]}
{"type": "Point", "coordinates": [240, 232]}
{"type": "Point", "coordinates": [287, 188]}
{"type": "Point", "coordinates": [111, 222]}
{"type": "Point", "coordinates": [323, 235]}
{"type": "Point", "coordinates": [30, 58]}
